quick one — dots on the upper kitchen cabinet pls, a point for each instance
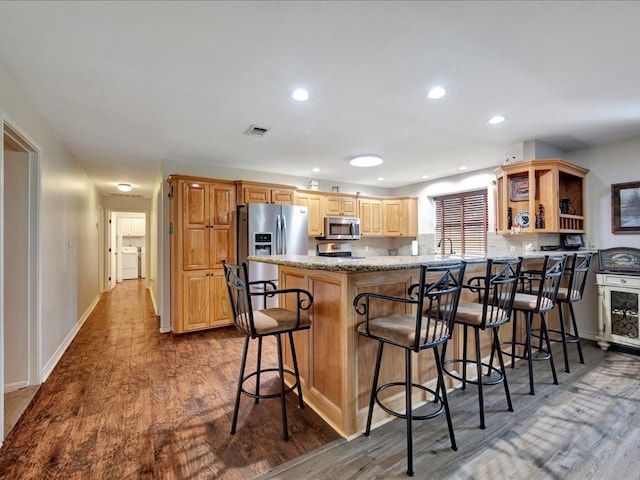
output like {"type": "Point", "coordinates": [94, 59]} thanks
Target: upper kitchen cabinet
{"type": "Point", "coordinates": [400, 217]}
{"type": "Point", "coordinates": [315, 206]}
{"type": "Point", "coordinates": [541, 196]}
{"type": "Point", "coordinates": [370, 214]}
{"type": "Point", "coordinates": [255, 192]}
{"type": "Point", "coordinates": [337, 204]}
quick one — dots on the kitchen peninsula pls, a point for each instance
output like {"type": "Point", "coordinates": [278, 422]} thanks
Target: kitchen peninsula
{"type": "Point", "coordinates": [336, 364]}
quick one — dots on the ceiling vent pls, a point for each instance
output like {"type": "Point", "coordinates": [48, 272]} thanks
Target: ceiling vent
{"type": "Point", "coordinates": [256, 131]}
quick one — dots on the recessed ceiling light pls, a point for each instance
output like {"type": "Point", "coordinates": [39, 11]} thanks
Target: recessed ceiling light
{"type": "Point", "coordinates": [462, 168]}
{"type": "Point", "coordinates": [124, 187]}
{"type": "Point", "coordinates": [496, 119]}
{"type": "Point", "coordinates": [436, 92]}
{"type": "Point", "coordinates": [300, 94]}
{"type": "Point", "coordinates": [425, 176]}
{"type": "Point", "coordinates": [367, 160]}
{"type": "Point", "coordinates": [315, 169]}
{"type": "Point", "coordinates": [380, 179]}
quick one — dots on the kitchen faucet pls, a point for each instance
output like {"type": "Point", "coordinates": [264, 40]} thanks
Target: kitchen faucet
{"type": "Point", "coordinates": [451, 252]}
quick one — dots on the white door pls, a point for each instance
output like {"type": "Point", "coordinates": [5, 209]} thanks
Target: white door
{"type": "Point", "coordinates": [113, 250]}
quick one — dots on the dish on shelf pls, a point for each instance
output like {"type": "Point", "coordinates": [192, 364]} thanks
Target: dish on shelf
{"type": "Point", "coordinates": [522, 219]}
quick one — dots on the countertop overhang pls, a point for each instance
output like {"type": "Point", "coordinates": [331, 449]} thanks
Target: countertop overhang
{"type": "Point", "coordinates": [376, 264]}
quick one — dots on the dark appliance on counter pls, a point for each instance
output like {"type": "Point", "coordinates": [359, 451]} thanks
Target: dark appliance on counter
{"type": "Point", "coordinates": [341, 228]}
{"type": "Point", "coordinates": [334, 250]}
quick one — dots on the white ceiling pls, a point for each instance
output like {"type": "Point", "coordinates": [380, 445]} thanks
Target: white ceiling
{"type": "Point", "coordinates": [128, 84]}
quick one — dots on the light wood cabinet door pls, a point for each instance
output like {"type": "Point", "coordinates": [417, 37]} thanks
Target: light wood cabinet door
{"type": "Point", "coordinates": [195, 226]}
{"type": "Point", "coordinates": [314, 205]}
{"type": "Point", "coordinates": [195, 313]}
{"type": "Point", "coordinates": [392, 217]}
{"type": "Point", "coordinates": [340, 206]}
{"type": "Point", "coordinates": [370, 213]}
{"type": "Point", "coordinates": [257, 195]}
{"type": "Point", "coordinates": [282, 197]}
{"type": "Point", "coordinates": [220, 300]}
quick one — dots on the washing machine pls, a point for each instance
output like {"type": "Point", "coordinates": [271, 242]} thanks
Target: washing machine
{"type": "Point", "coordinates": [129, 262]}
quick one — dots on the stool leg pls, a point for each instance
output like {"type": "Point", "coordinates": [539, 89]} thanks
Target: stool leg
{"type": "Point", "coordinates": [575, 332]}
{"type": "Point", "coordinates": [409, 408]}
{"type": "Point", "coordinates": [240, 380]}
{"type": "Point", "coordinates": [496, 346]}
{"type": "Point", "coordinates": [376, 373]}
{"type": "Point", "coordinates": [564, 336]}
{"type": "Point", "coordinates": [514, 329]}
{"type": "Point", "coordinates": [445, 402]}
{"type": "Point", "coordinates": [543, 326]}
{"type": "Point", "coordinates": [479, 369]}
{"type": "Point", "coordinates": [295, 369]}
{"type": "Point", "coordinates": [285, 430]}
{"type": "Point", "coordinates": [464, 357]}
{"type": "Point", "coordinates": [259, 363]}
{"type": "Point", "coordinates": [527, 342]}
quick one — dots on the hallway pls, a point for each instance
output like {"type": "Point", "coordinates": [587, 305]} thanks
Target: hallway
{"type": "Point", "coordinates": [126, 402]}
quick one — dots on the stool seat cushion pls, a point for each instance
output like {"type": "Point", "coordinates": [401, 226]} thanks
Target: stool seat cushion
{"type": "Point", "coordinates": [527, 301]}
{"type": "Point", "coordinates": [400, 328]}
{"type": "Point", "coordinates": [563, 294]}
{"type": "Point", "coordinates": [274, 320]}
{"type": "Point", "coordinates": [471, 314]}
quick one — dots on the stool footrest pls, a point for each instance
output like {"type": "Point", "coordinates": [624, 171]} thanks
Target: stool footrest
{"type": "Point", "coordinates": [437, 400]}
{"type": "Point", "coordinates": [545, 354]}
{"type": "Point", "coordinates": [268, 395]}
{"type": "Point", "coordinates": [458, 377]}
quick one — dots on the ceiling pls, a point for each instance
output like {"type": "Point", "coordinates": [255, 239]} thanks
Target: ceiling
{"type": "Point", "coordinates": [128, 84]}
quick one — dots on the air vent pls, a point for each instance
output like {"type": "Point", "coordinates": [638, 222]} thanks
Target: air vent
{"type": "Point", "coordinates": [256, 131]}
{"type": "Point", "coordinates": [127, 195]}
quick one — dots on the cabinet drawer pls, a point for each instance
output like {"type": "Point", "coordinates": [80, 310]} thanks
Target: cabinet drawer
{"type": "Point", "coordinates": [622, 280]}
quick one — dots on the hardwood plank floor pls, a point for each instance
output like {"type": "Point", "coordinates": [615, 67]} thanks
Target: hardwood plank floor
{"type": "Point", "coordinates": [587, 427]}
{"type": "Point", "coordinates": [126, 402]}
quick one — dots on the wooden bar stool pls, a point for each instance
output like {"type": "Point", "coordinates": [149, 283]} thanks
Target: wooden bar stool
{"type": "Point", "coordinates": [495, 294]}
{"type": "Point", "coordinates": [256, 324]}
{"type": "Point", "coordinates": [425, 322]}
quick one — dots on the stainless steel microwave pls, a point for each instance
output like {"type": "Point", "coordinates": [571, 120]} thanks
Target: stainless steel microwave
{"type": "Point", "coordinates": [341, 228]}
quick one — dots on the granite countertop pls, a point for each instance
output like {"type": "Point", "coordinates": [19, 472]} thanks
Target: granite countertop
{"type": "Point", "coordinates": [375, 264]}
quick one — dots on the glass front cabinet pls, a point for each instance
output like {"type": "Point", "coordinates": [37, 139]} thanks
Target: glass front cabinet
{"type": "Point", "coordinates": [618, 281]}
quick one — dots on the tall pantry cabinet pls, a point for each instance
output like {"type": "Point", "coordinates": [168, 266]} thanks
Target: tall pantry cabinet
{"type": "Point", "coordinates": [202, 232]}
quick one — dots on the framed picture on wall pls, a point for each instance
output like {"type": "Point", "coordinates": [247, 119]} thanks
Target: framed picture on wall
{"type": "Point", "coordinates": [625, 207]}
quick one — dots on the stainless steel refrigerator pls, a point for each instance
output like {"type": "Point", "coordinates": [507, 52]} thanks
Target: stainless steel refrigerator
{"type": "Point", "coordinates": [269, 229]}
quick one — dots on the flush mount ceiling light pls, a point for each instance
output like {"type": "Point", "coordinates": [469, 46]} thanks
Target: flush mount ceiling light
{"type": "Point", "coordinates": [496, 119]}
{"type": "Point", "coordinates": [436, 92]}
{"type": "Point", "coordinates": [315, 169]}
{"type": "Point", "coordinates": [124, 187]}
{"type": "Point", "coordinates": [367, 160]}
{"type": "Point", "coordinates": [300, 94]}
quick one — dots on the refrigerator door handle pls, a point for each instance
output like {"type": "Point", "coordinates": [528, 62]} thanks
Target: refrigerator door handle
{"type": "Point", "coordinates": [278, 235]}
{"type": "Point", "coordinates": [284, 235]}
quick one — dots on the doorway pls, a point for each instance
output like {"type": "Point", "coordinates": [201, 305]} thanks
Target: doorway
{"type": "Point", "coordinates": [20, 267]}
{"type": "Point", "coordinates": [127, 246]}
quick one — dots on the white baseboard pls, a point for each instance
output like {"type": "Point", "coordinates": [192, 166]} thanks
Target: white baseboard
{"type": "Point", "coordinates": [12, 387]}
{"type": "Point", "coordinates": [48, 368]}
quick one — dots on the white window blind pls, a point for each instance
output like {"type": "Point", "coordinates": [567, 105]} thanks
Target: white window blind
{"type": "Point", "coordinates": [462, 218]}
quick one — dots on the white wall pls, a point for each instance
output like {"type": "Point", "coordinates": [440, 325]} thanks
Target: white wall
{"type": "Point", "coordinates": [68, 243]}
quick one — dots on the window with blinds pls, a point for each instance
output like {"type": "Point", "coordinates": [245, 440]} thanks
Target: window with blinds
{"type": "Point", "coordinates": [462, 218]}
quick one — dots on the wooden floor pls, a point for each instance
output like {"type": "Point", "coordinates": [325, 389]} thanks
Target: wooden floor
{"type": "Point", "coordinates": [587, 427]}
{"type": "Point", "coordinates": [126, 402]}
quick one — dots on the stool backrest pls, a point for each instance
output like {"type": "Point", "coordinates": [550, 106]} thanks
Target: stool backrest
{"type": "Point", "coordinates": [236, 277]}
{"type": "Point", "coordinates": [497, 290]}
{"type": "Point", "coordinates": [577, 270]}
{"type": "Point", "coordinates": [545, 282]}
{"type": "Point", "coordinates": [436, 303]}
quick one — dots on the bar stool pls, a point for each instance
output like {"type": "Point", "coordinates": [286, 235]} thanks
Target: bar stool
{"type": "Point", "coordinates": [537, 295]}
{"type": "Point", "coordinates": [495, 294]}
{"type": "Point", "coordinates": [432, 308]}
{"type": "Point", "coordinates": [576, 272]}
{"type": "Point", "coordinates": [262, 323]}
